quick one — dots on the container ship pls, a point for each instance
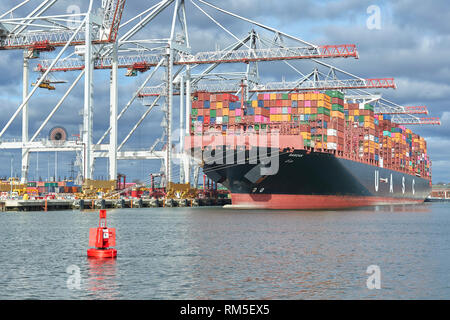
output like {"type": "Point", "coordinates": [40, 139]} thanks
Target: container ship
{"type": "Point", "coordinates": [306, 150]}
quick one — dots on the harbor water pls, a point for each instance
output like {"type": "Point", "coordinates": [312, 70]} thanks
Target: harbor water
{"type": "Point", "coordinates": [217, 253]}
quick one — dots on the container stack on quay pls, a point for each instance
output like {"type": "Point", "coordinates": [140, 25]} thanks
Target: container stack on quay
{"type": "Point", "coordinates": [53, 187]}
{"type": "Point", "coordinates": [323, 120]}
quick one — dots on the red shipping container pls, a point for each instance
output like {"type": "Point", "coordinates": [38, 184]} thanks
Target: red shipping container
{"type": "Point", "coordinates": [286, 103]}
{"type": "Point", "coordinates": [322, 117]}
{"type": "Point", "coordinates": [337, 101]}
{"type": "Point", "coordinates": [206, 96]}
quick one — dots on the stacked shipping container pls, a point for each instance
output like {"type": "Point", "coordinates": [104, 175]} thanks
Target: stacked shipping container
{"type": "Point", "coordinates": [325, 123]}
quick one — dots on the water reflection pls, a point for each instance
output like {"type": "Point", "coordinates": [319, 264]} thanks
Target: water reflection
{"type": "Point", "coordinates": [102, 279]}
{"type": "Point", "coordinates": [420, 208]}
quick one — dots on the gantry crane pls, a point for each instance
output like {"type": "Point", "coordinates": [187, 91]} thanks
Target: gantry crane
{"type": "Point", "coordinates": [180, 56]}
{"type": "Point", "coordinates": [36, 33]}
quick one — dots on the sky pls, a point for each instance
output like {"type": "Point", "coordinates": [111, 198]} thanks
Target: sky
{"type": "Point", "coordinates": [408, 40]}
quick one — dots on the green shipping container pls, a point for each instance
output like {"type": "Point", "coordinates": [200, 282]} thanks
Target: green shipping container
{"type": "Point", "coordinates": [337, 107]}
{"type": "Point", "coordinates": [334, 94]}
{"type": "Point", "coordinates": [51, 184]}
{"type": "Point", "coordinates": [212, 113]}
{"type": "Point", "coordinates": [285, 96]}
{"type": "Point", "coordinates": [322, 110]}
{"type": "Point", "coordinates": [194, 112]}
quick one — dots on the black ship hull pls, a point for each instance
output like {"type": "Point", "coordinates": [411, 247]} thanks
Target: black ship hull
{"type": "Point", "coordinates": [314, 180]}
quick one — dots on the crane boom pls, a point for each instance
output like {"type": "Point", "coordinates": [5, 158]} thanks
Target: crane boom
{"type": "Point", "coordinates": [210, 57]}
{"type": "Point", "coordinates": [419, 121]}
{"type": "Point", "coordinates": [52, 34]}
{"type": "Point", "coordinates": [233, 87]}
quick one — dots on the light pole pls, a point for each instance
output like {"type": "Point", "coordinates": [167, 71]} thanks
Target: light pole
{"type": "Point", "coordinates": [10, 176]}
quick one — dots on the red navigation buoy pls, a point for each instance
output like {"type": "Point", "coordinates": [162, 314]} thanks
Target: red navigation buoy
{"type": "Point", "coordinates": [103, 239]}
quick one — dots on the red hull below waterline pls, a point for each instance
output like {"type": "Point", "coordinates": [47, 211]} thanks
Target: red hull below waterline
{"type": "Point", "coordinates": [311, 202]}
{"type": "Point", "coordinates": [102, 253]}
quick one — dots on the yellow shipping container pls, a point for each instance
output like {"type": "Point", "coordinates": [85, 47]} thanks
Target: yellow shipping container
{"type": "Point", "coordinates": [306, 135]}
{"type": "Point", "coordinates": [254, 103]}
{"type": "Point", "coordinates": [273, 96]}
{"type": "Point", "coordinates": [314, 96]}
{"type": "Point", "coordinates": [273, 117]}
{"type": "Point", "coordinates": [225, 111]}
{"type": "Point", "coordinates": [219, 104]}
{"type": "Point", "coordinates": [337, 114]}
{"type": "Point", "coordinates": [294, 96]}
{"type": "Point", "coordinates": [307, 96]}
{"type": "Point", "coordinates": [307, 110]}
{"type": "Point", "coordinates": [301, 96]}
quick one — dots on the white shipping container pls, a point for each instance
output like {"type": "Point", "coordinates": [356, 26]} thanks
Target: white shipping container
{"type": "Point", "coordinates": [332, 145]}
{"type": "Point", "coordinates": [332, 132]}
